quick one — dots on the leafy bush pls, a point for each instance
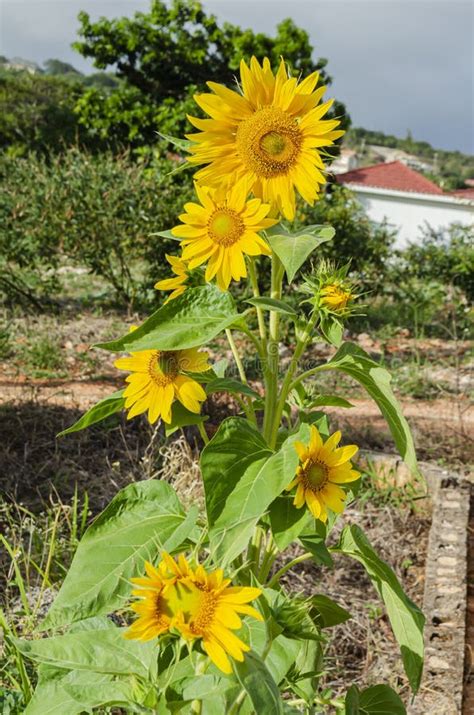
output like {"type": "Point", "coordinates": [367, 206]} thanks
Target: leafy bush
{"type": "Point", "coordinates": [99, 211]}
{"type": "Point", "coordinates": [446, 256]}
{"type": "Point", "coordinates": [37, 112]}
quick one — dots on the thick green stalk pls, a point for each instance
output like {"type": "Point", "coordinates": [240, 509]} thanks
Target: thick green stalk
{"type": "Point", "coordinates": [272, 358]}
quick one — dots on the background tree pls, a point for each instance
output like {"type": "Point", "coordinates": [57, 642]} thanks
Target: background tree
{"type": "Point", "coordinates": [164, 56]}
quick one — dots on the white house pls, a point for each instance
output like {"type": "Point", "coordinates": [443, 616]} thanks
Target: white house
{"type": "Point", "coordinates": [407, 200]}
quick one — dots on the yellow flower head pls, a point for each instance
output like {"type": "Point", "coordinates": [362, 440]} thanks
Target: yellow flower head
{"type": "Point", "coordinates": [176, 285]}
{"type": "Point", "coordinates": [222, 230]}
{"type": "Point", "coordinates": [323, 467]}
{"type": "Point", "coordinates": [270, 133]}
{"type": "Point", "coordinates": [158, 379]}
{"type": "Point", "coordinates": [335, 297]}
{"type": "Point", "coordinates": [195, 603]}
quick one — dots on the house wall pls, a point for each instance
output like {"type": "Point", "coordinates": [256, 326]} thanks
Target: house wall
{"type": "Point", "coordinates": [408, 212]}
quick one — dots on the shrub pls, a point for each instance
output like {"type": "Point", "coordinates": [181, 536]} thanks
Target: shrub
{"type": "Point", "coordinates": [99, 211]}
{"type": "Point", "coordinates": [446, 256]}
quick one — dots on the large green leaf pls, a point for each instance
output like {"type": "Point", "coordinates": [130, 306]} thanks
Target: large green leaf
{"type": "Point", "coordinates": [353, 361]}
{"type": "Point", "coordinates": [192, 319]}
{"type": "Point", "coordinates": [405, 617]}
{"type": "Point", "coordinates": [102, 651]}
{"type": "Point", "coordinates": [103, 409]}
{"type": "Point", "coordinates": [287, 521]}
{"type": "Point", "coordinates": [255, 678]}
{"type": "Point", "coordinates": [376, 700]}
{"type": "Point", "coordinates": [79, 691]}
{"type": "Point", "coordinates": [294, 248]}
{"type": "Point", "coordinates": [140, 521]}
{"type": "Point", "coordinates": [241, 479]}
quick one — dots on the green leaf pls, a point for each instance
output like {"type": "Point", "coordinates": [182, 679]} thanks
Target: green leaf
{"type": "Point", "coordinates": [241, 479]}
{"type": "Point", "coordinates": [294, 248]}
{"type": "Point", "coordinates": [353, 361]}
{"type": "Point", "coordinates": [165, 234]}
{"type": "Point", "coordinates": [376, 700]}
{"type": "Point", "coordinates": [183, 144]}
{"type": "Point", "coordinates": [226, 384]}
{"type": "Point", "coordinates": [287, 521]}
{"type": "Point", "coordinates": [103, 409]}
{"type": "Point", "coordinates": [332, 329]}
{"type": "Point", "coordinates": [315, 542]}
{"type": "Point", "coordinates": [405, 617]}
{"type": "Point", "coordinates": [181, 417]}
{"type": "Point", "coordinates": [330, 401]}
{"type": "Point", "coordinates": [329, 612]}
{"type": "Point", "coordinates": [254, 677]}
{"type": "Point", "coordinates": [78, 691]}
{"type": "Point", "coordinates": [103, 651]}
{"type": "Point", "coordinates": [140, 521]}
{"type": "Point", "coordinates": [192, 319]}
{"type": "Point", "coordinates": [277, 306]}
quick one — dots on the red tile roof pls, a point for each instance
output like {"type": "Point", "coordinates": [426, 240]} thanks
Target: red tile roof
{"type": "Point", "coordinates": [463, 193]}
{"type": "Point", "coordinates": [392, 175]}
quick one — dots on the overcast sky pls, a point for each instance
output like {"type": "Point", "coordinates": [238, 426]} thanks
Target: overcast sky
{"type": "Point", "coordinates": [397, 65]}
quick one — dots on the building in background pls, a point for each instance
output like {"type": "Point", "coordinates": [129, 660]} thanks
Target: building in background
{"type": "Point", "coordinates": [407, 200]}
{"type": "Point", "coordinates": [346, 161]}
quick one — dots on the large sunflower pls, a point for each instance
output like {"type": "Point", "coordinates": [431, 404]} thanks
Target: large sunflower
{"type": "Point", "coordinates": [323, 467]}
{"type": "Point", "coordinates": [195, 603]}
{"type": "Point", "coordinates": [271, 133]}
{"type": "Point", "coordinates": [158, 378]}
{"type": "Point", "coordinates": [222, 230]}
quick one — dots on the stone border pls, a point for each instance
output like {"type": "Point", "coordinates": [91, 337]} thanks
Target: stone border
{"type": "Point", "coordinates": [445, 595]}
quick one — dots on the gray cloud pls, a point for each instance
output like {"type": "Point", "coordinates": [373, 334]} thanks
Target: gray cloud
{"type": "Point", "coordinates": [397, 65]}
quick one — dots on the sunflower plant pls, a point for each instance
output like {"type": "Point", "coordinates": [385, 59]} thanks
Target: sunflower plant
{"type": "Point", "coordinates": [166, 609]}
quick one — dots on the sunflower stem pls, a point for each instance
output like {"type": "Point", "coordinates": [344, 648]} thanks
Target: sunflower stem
{"type": "Point", "coordinates": [203, 433]}
{"type": "Point", "coordinates": [298, 559]}
{"type": "Point", "coordinates": [288, 382]}
{"type": "Point", "coordinates": [272, 362]}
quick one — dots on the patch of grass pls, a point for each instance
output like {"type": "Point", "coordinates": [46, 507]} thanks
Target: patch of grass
{"type": "Point", "coordinates": [43, 356]}
{"type": "Point", "coordinates": [36, 553]}
{"type": "Point", "coordinates": [381, 487]}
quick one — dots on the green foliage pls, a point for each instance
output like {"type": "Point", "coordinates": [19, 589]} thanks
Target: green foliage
{"type": "Point", "coordinates": [376, 700]}
{"type": "Point", "coordinates": [100, 411]}
{"type": "Point", "coordinates": [236, 467]}
{"type": "Point", "coordinates": [406, 619]}
{"type": "Point", "coordinates": [37, 113]}
{"type": "Point", "coordinates": [164, 56]}
{"type": "Point", "coordinates": [195, 317]}
{"type": "Point", "coordinates": [141, 521]}
{"type": "Point", "coordinates": [352, 360]}
{"type": "Point", "coordinates": [443, 256]}
{"type": "Point", "coordinates": [97, 211]}
{"type": "Point", "coordinates": [294, 248]}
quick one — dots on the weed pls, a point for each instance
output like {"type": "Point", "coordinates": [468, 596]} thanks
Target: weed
{"type": "Point", "coordinates": [43, 355]}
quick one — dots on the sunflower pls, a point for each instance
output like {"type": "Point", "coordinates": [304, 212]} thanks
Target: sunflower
{"type": "Point", "coordinates": [271, 133]}
{"type": "Point", "coordinates": [176, 285]}
{"type": "Point", "coordinates": [335, 297]}
{"type": "Point", "coordinates": [323, 467]}
{"type": "Point", "coordinates": [195, 603]}
{"type": "Point", "coordinates": [158, 379]}
{"type": "Point", "coordinates": [222, 230]}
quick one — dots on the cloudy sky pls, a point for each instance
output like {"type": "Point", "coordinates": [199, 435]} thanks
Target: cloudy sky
{"type": "Point", "coordinates": [398, 66]}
